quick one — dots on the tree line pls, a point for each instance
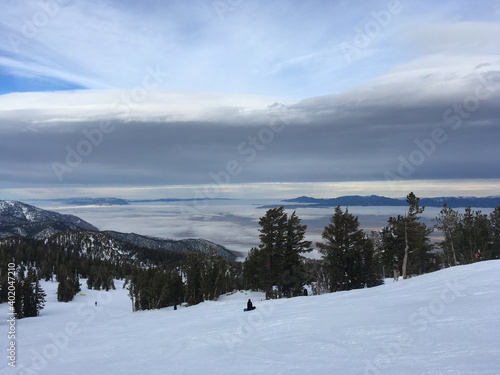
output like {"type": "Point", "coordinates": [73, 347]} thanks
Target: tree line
{"type": "Point", "coordinates": [349, 258]}
{"type": "Point", "coordinates": [164, 279]}
{"type": "Point", "coordinates": [47, 260]}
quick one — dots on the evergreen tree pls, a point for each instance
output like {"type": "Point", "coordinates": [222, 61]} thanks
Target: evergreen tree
{"type": "Point", "coordinates": [447, 222]}
{"type": "Point", "coordinates": [272, 246]}
{"type": "Point", "coordinates": [19, 296]}
{"type": "Point", "coordinates": [348, 254]}
{"type": "Point", "coordinates": [294, 274]}
{"type": "Point", "coordinates": [252, 269]}
{"type": "Point", "coordinates": [193, 277]}
{"type": "Point", "coordinates": [406, 242]}
{"type": "Point", "coordinates": [39, 297]}
{"type": "Point", "coordinates": [278, 259]}
{"type": "Point", "coordinates": [33, 295]}
{"type": "Point", "coordinates": [29, 297]}
{"type": "Point", "coordinates": [91, 280]}
{"type": "Point", "coordinates": [495, 233]}
{"type": "Point", "coordinates": [474, 239]}
{"type": "Point", "coordinates": [69, 284]}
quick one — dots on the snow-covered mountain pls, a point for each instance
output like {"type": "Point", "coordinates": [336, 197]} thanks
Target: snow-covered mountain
{"type": "Point", "coordinates": [129, 247]}
{"type": "Point", "coordinates": [24, 220]}
{"type": "Point", "coordinates": [198, 244]}
{"type": "Point", "coordinates": [443, 323]}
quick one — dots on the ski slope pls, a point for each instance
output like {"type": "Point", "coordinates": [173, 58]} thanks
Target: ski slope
{"type": "Point", "coordinates": [447, 322]}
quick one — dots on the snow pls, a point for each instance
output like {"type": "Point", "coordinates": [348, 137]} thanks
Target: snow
{"type": "Point", "coordinates": [442, 323]}
{"type": "Point", "coordinates": [29, 214]}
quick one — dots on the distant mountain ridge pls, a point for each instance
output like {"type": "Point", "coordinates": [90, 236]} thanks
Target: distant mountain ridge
{"type": "Point", "coordinates": [376, 200]}
{"type": "Point", "coordinates": [112, 201]}
{"type": "Point", "coordinates": [23, 220]}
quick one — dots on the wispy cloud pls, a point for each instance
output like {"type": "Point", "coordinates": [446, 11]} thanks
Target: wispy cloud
{"type": "Point", "coordinates": [261, 47]}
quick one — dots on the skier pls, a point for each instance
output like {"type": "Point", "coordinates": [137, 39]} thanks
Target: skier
{"type": "Point", "coordinates": [250, 306]}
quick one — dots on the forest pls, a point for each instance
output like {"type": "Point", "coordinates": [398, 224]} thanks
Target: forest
{"type": "Point", "coordinates": [349, 258]}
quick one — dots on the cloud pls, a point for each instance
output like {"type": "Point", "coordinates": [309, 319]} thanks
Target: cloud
{"type": "Point", "coordinates": [178, 94]}
{"type": "Point", "coordinates": [456, 39]}
{"type": "Point", "coordinates": [197, 138]}
{"type": "Point", "coordinates": [259, 47]}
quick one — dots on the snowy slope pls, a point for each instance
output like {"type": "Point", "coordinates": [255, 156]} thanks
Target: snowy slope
{"type": "Point", "coordinates": [447, 322]}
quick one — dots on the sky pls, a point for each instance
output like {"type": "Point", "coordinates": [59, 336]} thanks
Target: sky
{"type": "Point", "coordinates": [238, 98]}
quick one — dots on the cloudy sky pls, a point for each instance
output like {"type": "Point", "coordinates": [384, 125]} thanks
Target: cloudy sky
{"type": "Point", "coordinates": [227, 98]}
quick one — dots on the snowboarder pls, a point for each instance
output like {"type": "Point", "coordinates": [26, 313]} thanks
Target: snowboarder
{"type": "Point", "coordinates": [250, 306]}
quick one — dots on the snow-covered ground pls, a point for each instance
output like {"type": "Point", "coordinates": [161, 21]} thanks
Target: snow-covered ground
{"type": "Point", "coordinates": [447, 322]}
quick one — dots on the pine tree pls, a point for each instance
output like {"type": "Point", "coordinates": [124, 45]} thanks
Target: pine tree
{"type": "Point", "coordinates": [19, 296]}
{"type": "Point", "coordinates": [495, 233]}
{"type": "Point", "coordinates": [252, 268]}
{"type": "Point", "coordinates": [406, 240]}
{"type": "Point", "coordinates": [348, 254]}
{"type": "Point", "coordinates": [272, 246]}
{"type": "Point", "coordinates": [294, 275]}
{"type": "Point", "coordinates": [278, 259]}
{"type": "Point", "coordinates": [39, 297]}
{"type": "Point", "coordinates": [91, 280]}
{"type": "Point", "coordinates": [30, 297]}
{"type": "Point", "coordinates": [69, 284]}
{"type": "Point", "coordinates": [193, 277]}
{"type": "Point", "coordinates": [447, 222]}
{"type": "Point", "coordinates": [474, 240]}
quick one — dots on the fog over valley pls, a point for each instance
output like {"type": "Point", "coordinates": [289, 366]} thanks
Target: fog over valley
{"type": "Point", "coordinates": [231, 223]}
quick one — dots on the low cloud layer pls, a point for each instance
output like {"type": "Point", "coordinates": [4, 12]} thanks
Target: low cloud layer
{"type": "Point", "coordinates": [418, 126]}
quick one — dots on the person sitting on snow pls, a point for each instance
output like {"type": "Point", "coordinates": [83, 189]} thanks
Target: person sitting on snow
{"type": "Point", "coordinates": [250, 306]}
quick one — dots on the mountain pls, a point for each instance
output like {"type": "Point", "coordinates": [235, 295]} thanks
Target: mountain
{"type": "Point", "coordinates": [182, 246]}
{"type": "Point", "coordinates": [24, 220]}
{"type": "Point", "coordinates": [86, 201]}
{"type": "Point", "coordinates": [375, 200]}
{"type": "Point", "coordinates": [350, 200]}
{"type": "Point", "coordinates": [100, 245]}
{"type": "Point", "coordinates": [111, 201]}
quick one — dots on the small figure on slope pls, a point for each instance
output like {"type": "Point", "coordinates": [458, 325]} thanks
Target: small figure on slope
{"type": "Point", "coordinates": [250, 306]}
